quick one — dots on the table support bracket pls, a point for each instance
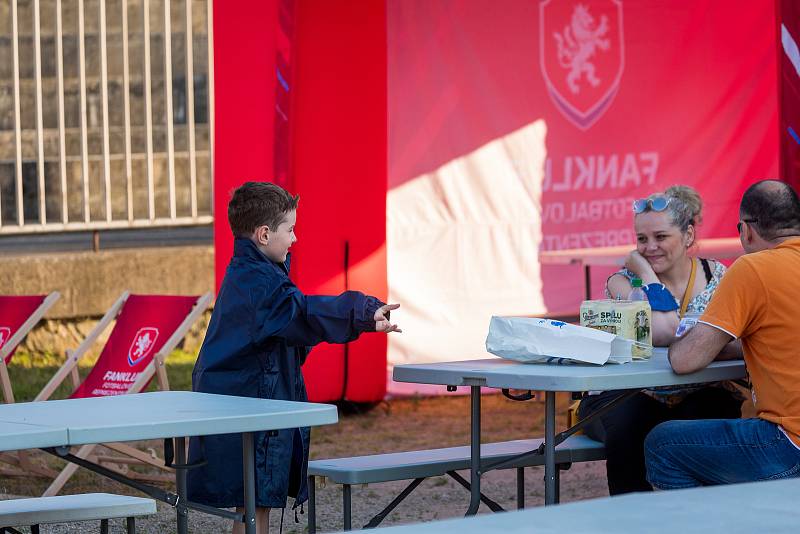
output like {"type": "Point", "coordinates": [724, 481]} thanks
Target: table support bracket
{"type": "Point", "coordinates": [607, 407]}
{"type": "Point", "coordinates": [156, 493]}
{"type": "Point", "coordinates": [493, 506]}
{"type": "Point", "coordinates": [380, 516]}
{"type": "Point", "coordinates": [559, 438]}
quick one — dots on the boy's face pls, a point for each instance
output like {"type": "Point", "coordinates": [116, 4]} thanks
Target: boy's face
{"type": "Point", "coordinates": [275, 243]}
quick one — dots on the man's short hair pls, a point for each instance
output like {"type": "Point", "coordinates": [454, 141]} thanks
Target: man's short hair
{"type": "Point", "coordinates": [773, 207]}
{"type": "Point", "coordinates": [255, 204]}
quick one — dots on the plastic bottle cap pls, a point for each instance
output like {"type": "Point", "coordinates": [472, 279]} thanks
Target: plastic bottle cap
{"type": "Point", "coordinates": [636, 282]}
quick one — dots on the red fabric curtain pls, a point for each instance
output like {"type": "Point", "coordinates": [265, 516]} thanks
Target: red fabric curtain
{"type": "Point", "coordinates": [339, 170]}
{"type": "Point", "coordinates": [301, 100]}
{"type": "Point", "coordinates": [789, 90]}
{"type": "Point", "coordinates": [245, 47]}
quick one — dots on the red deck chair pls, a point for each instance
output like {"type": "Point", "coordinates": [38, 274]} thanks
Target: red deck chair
{"type": "Point", "coordinates": [18, 316]}
{"type": "Point", "coordinates": [147, 329]}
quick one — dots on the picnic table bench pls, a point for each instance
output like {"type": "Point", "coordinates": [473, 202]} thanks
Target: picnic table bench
{"type": "Point", "coordinates": [422, 464]}
{"type": "Point", "coordinates": [37, 511]}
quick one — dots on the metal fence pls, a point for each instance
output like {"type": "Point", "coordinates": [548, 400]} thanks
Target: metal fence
{"type": "Point", "coordinates": [106, 114]}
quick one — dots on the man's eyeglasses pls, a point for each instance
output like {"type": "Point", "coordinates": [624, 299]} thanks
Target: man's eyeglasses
{"type": "Point", "coordinates": [739, 224]}
{"type": "Point", "coordinates": [656, 203]}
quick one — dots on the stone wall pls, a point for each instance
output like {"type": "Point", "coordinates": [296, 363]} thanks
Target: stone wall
{"type": "Point", "coordinates": [90, 282]}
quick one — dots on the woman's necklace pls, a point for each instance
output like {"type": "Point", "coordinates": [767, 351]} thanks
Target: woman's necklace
{"type": "Point", "coordinates": [687, 293]}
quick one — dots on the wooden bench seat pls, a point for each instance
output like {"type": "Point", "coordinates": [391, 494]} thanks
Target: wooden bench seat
{"type": "Point", "coordinates": [418, 465]}
{"type": "Point", "coordinates": [70, 508]}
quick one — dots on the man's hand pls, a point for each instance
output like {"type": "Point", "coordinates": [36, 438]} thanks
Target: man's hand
{"type": "Point", "coordinates": [698, 348]}
{"type": "Point", "coordinates": [382, 323]}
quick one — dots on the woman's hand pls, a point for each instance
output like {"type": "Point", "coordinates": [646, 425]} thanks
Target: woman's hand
{"type": "Point", "coordinates": [637, 264]}
{"type": "Point", "coordinates": [382, 323]}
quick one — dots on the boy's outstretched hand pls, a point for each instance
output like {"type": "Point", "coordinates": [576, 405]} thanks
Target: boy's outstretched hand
{"type": "Point", "coordinates": [382, 323]}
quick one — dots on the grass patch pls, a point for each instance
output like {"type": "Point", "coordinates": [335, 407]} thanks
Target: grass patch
{"type": "Point", "coordinates": [29, 373]}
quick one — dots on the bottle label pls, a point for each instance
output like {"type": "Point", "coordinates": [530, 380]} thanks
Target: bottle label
{"type": "Point", "coordinates": [624, 318]}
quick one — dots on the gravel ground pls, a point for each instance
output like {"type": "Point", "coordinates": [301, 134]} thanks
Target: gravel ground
{"type": "Point", "coordinates": [403, 424]}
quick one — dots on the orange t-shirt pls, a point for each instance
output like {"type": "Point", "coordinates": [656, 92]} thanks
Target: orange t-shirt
{"type": "Point", "coordinates": [758, 300]}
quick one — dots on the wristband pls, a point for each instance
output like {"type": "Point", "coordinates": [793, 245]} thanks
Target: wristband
{"type": "Point", "coordinates": [660, 298]}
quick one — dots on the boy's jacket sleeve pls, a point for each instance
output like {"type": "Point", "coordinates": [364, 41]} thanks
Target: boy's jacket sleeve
{"type": "Point", "coordinates": [303, 320]}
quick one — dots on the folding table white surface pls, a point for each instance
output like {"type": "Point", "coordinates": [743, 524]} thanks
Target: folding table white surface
{"type": "Point", "coordinates": [507, 374]}
{"type": "Point", "coordinates": [57, 425]}
{"type": "Point", "coordinates": [735, 509]}
{"type": "Point", "coordinates": [15, 436]}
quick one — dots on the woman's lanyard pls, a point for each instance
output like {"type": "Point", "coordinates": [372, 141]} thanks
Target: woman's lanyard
{"type": "Point", "coordinates": [687, 295]}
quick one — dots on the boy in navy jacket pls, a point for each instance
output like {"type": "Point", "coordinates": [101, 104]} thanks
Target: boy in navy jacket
{"type": "Point", "coordinates": [260, 332]}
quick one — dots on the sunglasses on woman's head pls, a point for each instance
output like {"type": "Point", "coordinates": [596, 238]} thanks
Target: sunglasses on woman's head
{"type": "Point", "coordinates": [656, 203]}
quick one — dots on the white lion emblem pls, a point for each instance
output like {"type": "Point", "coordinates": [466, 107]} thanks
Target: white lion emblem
{"type": "Point", "coordinates": [143, 343]}
{"type": "Point", "coordinates": [578, 43]}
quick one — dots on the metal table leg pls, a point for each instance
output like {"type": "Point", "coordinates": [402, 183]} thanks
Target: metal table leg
{"type": "Point", "coordinates": [312, 504]}
{"type": "Point", "coordinates": [180, 484]}
{"type": "Point", "coordinates": [550, 448]}
{"type": "Point", "coordinates": [347, 505]}
{"type": "Point", "coordinates": [249, 460]}
{"type": "Point", "coordinates": [475, 450]}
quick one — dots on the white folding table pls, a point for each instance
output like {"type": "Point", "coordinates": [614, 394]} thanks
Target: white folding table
{"type": "Point", "coordinates": [57, 425]}
{"type": "Point", "coordinates": [734, 509]}
{"type": "Point", "coordinates": [505, 374]}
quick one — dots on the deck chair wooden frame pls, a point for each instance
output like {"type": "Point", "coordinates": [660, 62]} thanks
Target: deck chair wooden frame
{"type": "Point", "coordinates": [155, 367]}
{"type": "Point", "coordinates": [20, 460]}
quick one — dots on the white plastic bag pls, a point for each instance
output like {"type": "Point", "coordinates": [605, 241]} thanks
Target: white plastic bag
{"type": "Point", "coordinates": [535, 340]}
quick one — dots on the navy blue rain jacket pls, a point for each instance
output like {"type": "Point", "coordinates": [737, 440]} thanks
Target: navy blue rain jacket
{"type": "Point", "coordinates": [260, 332]}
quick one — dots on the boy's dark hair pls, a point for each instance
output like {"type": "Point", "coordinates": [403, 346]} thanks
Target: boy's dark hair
{"type": "Point", "coordinates": [773, 207]}
{"type": "Point", "coordinates": [255, 204]}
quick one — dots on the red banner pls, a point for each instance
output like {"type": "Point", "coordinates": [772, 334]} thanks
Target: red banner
{"type": "Point", "coordinates": [538, 123]}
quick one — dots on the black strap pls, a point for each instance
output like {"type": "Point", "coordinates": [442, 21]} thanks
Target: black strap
{"type": "Point", "coordinates": [706, 269]}
{"type": "Point", "coordinates": [521, 397]}
{"type": "Point", "coordinates": [169, 455]}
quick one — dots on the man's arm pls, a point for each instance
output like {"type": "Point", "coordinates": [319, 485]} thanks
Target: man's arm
{"type": "Point", "coordinates": [732, 351]}
{"type": "Point", "coordinates": [698, 348]}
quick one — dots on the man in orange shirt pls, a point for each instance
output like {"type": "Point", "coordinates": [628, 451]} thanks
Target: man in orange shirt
{"type": "Point", "coordinates": [757, 302]}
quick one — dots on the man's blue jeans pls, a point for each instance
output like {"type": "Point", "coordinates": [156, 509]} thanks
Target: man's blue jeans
{"type": "Point", "coordinates": [685, 454]}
